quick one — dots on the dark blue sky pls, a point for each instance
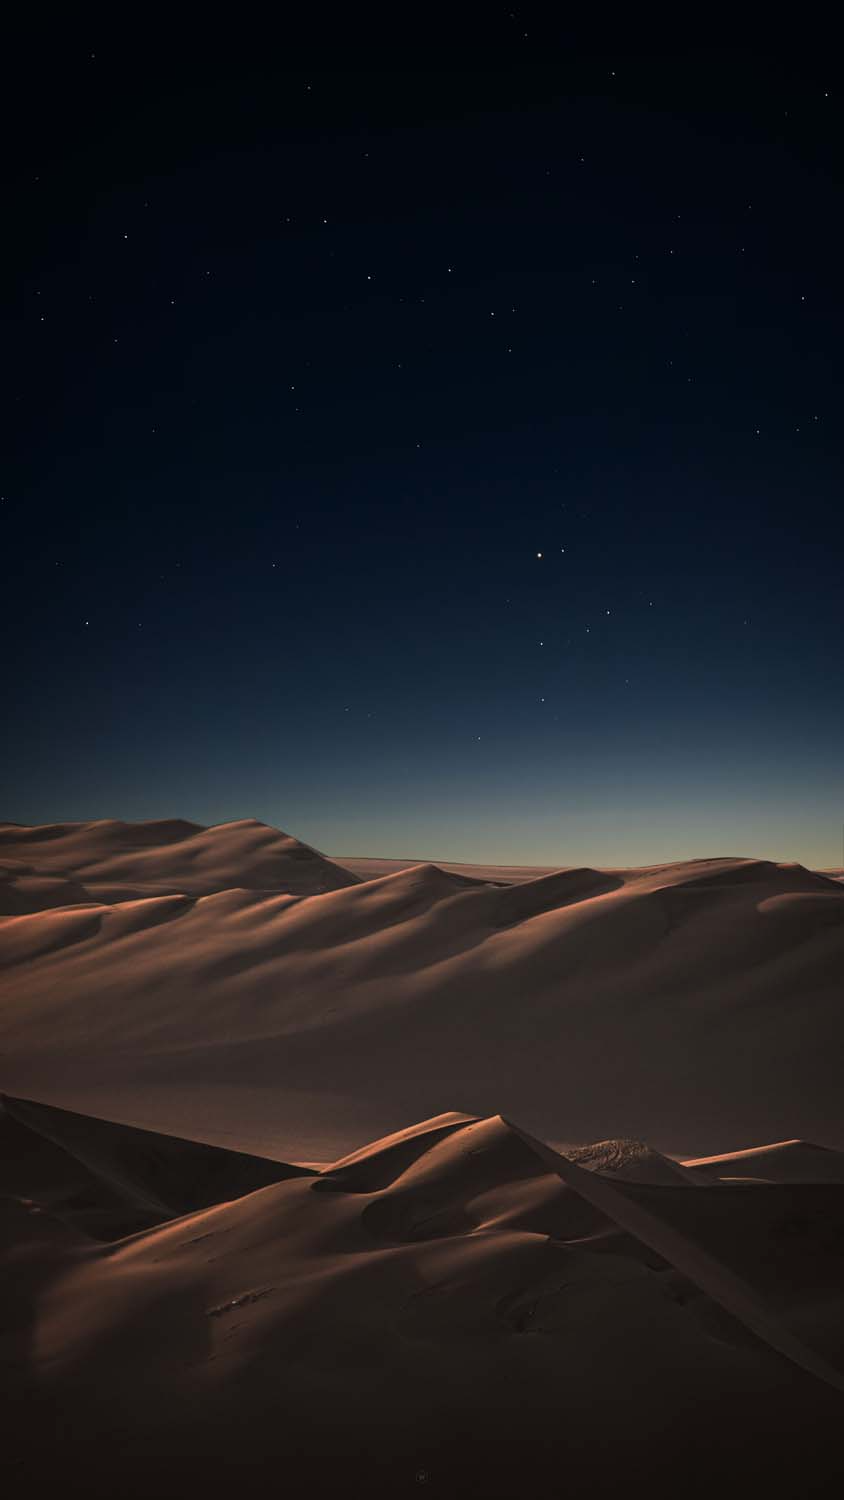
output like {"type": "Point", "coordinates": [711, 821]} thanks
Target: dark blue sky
{"type": "Point", "coordinates": [306, 367]}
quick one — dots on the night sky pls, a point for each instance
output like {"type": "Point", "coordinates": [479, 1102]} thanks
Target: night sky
{"type": "Point", "coordinates": [439, 462]}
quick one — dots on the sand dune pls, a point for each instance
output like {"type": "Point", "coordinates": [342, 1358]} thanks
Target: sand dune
{"type": "Point", "coordinates": [228, 1262]}
{"type": "Point", "coordinates": [109, 1180]}
{"type": "Point", "coordinates": [454, 1307]}
{"type": "Point", "coordinates": [59, 863]}
{"type": "Point", "coordinates": [587, 1004]}
{"type": "Point", "coordinates": [369, 869]}
{"type": "Point", "coordinates": [783, 1161]}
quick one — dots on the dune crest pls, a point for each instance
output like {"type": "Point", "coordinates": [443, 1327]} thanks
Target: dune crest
{"type": "Point", "coordinates": [111, 861]}
{"type": "Point", "coordinates": [246, 983]}
{"type": "Point", "coordinates": [457, 1270]}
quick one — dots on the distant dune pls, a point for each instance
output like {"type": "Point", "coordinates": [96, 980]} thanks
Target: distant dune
{"type": "Point", "coordinates": [370, 869]}
{"type": "Point", "coordinates": [62, 863]}
{"type": "Point", "coordinates": [455, 1308]}
{"type": "Point", "coordinates": [233, 985]}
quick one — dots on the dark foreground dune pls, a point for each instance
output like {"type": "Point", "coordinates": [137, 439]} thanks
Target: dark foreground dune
{"type": "Point", "coordinates": [453, 1310]}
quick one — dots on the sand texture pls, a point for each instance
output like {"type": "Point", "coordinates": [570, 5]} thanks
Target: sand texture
{"type": "Point", "coordinates": [329, 1178]}
{"type": "Point", "coordinates": [455, 1307]}
{"type": "Point", "coordinates": [697, 1006]}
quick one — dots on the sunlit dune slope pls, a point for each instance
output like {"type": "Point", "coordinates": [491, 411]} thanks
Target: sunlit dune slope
{"type": "Point", "coordinates": [59, 863]}
{"type": "Point", "coordinates": [698, 1005]}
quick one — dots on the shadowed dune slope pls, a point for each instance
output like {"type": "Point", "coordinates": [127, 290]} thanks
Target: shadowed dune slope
{"type": "Point", "coordinates": [784, 1161]}
{"type": "Point", "coordinates": [110, 1180]}
{"type": "Point", "coordinates": [587, 1004]}
{"type": "Point", "coordinates": [59, 863]}
{"type": "Point", "coordinates": [457, 1307]}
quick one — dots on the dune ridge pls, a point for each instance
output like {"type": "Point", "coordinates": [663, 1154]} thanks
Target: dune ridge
{"type": "Point", "coordinates": [457, 1300]}
{"type": "Point", "coordinates": [305, 1022]}
{"type": "Point", "coordinates": [111, 861]}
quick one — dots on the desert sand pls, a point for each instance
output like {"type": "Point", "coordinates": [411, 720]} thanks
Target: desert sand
{"type": "Point", "coordinates": [355, 1175]}
{"type": "Point", "coordinates": [200, 979]}
{"type": "Point", "coordinates": [454, 1307]}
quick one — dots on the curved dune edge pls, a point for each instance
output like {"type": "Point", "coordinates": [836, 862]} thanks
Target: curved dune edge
{"type": "Point", "coordinates": [442, 1164]}
{"type": "Point", "coordinates": [125, 1179]}
{"type": "Point", "coordinates": [59, 864]}
{"type": "Point", "coordinates": [781, 1161]}
{"type": "Point", "coordinates": [719, 1283]}
{"type": "Point", "coordinates": [619, 1003]}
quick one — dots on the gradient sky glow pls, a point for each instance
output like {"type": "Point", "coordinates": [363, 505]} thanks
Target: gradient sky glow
{"type": "Point", "coordinates": [308, 367]}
